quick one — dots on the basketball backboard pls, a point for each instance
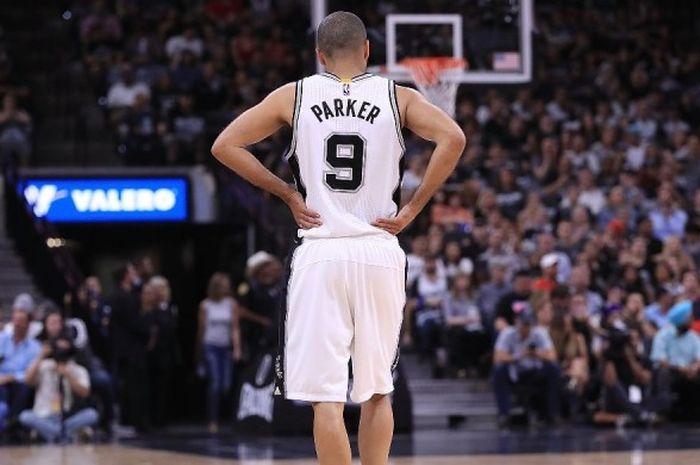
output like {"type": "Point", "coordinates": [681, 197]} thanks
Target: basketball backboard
{"type": "Point", "coordinates": [493, 36]}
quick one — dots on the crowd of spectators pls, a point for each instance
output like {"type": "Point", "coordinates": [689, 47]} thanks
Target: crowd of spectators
{"type": "Point", "coordinates": [575, 216]}
{"type": "Point", "coordinates": [170, 74]}
{"type": "Point", "coordinates": [563, 252]}
{"type": "Point", "coordinates": [82, 358]}
{"type": "Point", "coordinates": [15, 121]}
{"type": "Point", "coordinates": [65, 370]}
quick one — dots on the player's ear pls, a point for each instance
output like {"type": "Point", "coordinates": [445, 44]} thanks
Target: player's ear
{"type": "Point", "coordinates": [321, 57]}
{"type": "Point", "coordinates": [366, 52]}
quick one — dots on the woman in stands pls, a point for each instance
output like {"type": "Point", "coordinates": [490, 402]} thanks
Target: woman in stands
{"type": "Point", "coordinates": [219, 342]}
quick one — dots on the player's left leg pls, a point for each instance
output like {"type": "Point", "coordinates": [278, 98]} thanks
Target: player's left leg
{"type": "Point", "coordinates": [377, 296]}
{"type": "Point", "coordinates": [330, 435]}
{"type": "Point", "coordinates": [376, 430]}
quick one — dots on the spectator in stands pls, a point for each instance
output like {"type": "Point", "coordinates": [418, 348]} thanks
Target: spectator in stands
{"type": "Point", "coordinates": [676, 357]}
{"type": "Point", "coordinates": [466, 339]}
{"type": "Point", "coordinates": [667, 218]}
{"type": "Point", "coordinates": [491, 292]}
{"type": "Point", "coordinates": [164, 356]}
{"type": "Point", "coordinates": [184, 141]}
{"type": "Point", "coordinates": [453, 262]}
{"type": "Point", "coordinates": [25, 302]}
{"type": "Point", "coordinates": [17, 352]}
{"type": "Point", "coordinates": [218, 343]}
{"type": "Point", "coordinates": [15, 132]}
{"type": "Point", "coordinates": [125, 91]}
{"type": "Point", "coordinates": [90, 305]}
{"type": "Point", "coordinates": [546, 244]}
{"type": "Point", "coordinates": [424, 308]}
{"type": "Point", "coordinates": [100, 28]}
{"type": "Point", "coordinates": [187, 73]}
{"type": "Point", "coordinates": [657, 312]}
{"type": "Point", "coordinates": [186, 42]}
{"type": "Point", "coordinates": [524, 360]}
{"type": "Point", "coordinates": [131, 337]}
{"type": "Point", "coordinates": [514, 301]}
{"type": "Point", "coordinates": [62, 386]}
{"type": "Point", "coordinates": [415, 258]}
{"type": "Point", "coordinates": [590, 195]}
{"type": "Point", "coordinates": [101, 387]}
{"type": "Point", "coordinates": [626, 373]}
{"type": "Point", "coordinates": [572, 355]}
{"type": "Point", "coordinates": [580, 283]}
{"type": "Point", "coordinates": [549, 268]}
{"type": "Point", "coordinates": [509, 196]}
{"type": "Point", "coordinates": [260, 297]}
{"type": "Point", "coordinates": [141, 131]}
{"type": "Point", "coordinates": [144, 270]}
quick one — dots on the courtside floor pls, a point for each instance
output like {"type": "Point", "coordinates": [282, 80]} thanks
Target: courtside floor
{"type": "Point", "coordinates": [120, 455]}
{"type": "Point", "coordinates": [670, 445]}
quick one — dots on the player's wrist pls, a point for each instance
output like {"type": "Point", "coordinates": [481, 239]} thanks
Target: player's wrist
{"type": "Point", "coordinates": [286, 194]}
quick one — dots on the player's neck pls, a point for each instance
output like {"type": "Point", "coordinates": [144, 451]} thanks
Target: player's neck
{"type": "Point", "coordinates": [347, 70]}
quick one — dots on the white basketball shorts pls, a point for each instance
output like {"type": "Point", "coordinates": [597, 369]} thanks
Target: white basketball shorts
{"type": "Point", "coordinates": [345, 301]}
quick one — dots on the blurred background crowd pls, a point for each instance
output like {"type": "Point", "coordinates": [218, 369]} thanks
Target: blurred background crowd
{"type": "Point", "coordinates": [563, 252]}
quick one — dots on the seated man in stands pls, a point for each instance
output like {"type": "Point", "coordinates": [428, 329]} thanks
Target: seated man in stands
{"type": "Point", "coordinates": [61, 385]}
{"type": "Point", "coordinates": [17, 351]}
{"type": "Point", "coordinates": [676, 357]}
{"type": "Point", "coordinates": [524, 359]}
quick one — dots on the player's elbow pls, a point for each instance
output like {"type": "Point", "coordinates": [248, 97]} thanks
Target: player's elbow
{"type": "Point", "coordinates": [217, 148]}
{"type": "Point", "coordinates": [456, 141]}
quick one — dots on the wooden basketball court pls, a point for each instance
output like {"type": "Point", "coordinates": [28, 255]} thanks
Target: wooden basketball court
{"type": "Point", "coordinates": [121, 455]}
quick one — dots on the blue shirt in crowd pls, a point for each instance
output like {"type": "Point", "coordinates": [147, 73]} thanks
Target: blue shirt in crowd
{"type": "Point", "coordinates": [15, 359]}
{"type": "Point", "coordinates": [512, 342]}
{"type": "Point", "coordinates": [674, 349]}
{"type": "Point", "coordinates": [656, 315]}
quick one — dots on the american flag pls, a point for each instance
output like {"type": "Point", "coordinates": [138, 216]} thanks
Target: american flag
{"type": "Point", "coordinates": [506, 61]}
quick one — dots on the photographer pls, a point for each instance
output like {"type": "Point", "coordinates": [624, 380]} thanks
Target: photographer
{"type": "Point", "coordinates": [676, 357]}
{"type": "Point", "coordinates": [626, 375]}
{"type": "Point", "coordinates": [524, 357]}
{"type": "Point", "coordinates": [100, 380]}
{"type": "Point", "coordinates": [61, 386]}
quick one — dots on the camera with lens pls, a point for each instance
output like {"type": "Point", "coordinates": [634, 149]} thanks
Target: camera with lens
{"type": "Point", "coordinates": [617, 341]}
{"type": "Point", "coordinates": [62, 350]}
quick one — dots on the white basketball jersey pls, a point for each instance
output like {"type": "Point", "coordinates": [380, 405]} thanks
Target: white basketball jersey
{"type": "Point", "coordinates": [346, 152]}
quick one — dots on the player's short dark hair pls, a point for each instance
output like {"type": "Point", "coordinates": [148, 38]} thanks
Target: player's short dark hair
{"type": "Point", "coordinates": [340, 31]}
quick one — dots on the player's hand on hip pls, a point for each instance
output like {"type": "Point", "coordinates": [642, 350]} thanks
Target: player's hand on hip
{"type": "Point", "coordinates": [396, 224]}
{"type": "Point", "coordinates": [304, 216]}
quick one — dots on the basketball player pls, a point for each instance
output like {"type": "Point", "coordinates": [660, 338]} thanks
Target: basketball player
{"type": "Point", "coordinates": [346, 290]}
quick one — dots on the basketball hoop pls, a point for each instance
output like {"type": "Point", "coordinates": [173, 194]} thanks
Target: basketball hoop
{"type": "Point", "coordinates": [430, 75]}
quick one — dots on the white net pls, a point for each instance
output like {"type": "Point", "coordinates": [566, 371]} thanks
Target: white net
{"type": "Point", "coordinates": [430, 76]}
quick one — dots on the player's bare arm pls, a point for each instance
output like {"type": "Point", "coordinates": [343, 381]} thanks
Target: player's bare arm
{"type": "Point", "coordinates": [429, 122]}
{"type": "Point", "coordinates": [254, 125]}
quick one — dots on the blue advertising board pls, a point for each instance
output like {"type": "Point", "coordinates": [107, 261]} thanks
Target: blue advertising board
{"type": "Point", "coordinates": [102, 199]}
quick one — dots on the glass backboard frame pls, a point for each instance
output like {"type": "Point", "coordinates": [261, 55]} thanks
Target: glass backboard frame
{"type": "Point", "coordinates": [399, 73]}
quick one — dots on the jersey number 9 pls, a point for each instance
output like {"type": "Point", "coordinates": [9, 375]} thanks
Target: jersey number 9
{"type": "Point", "coordinates": [345, 154]}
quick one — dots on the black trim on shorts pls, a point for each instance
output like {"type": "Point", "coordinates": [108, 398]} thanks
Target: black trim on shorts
{"type": "Point", "coordinates": [280, 384]}
{"type": "Point", "coordinates": [395, 362]}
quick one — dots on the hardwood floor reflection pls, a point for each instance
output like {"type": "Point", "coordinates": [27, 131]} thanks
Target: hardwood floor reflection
{"type": "Point", "coordinates": [120, 455]}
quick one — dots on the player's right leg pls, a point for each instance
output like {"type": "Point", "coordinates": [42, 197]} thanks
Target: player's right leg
{"type": "Point", "coordinates": [330, 436]}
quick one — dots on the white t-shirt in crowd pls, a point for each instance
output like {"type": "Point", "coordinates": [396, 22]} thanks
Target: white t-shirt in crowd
{"type": "Point", "coordinates": [48, 397]}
